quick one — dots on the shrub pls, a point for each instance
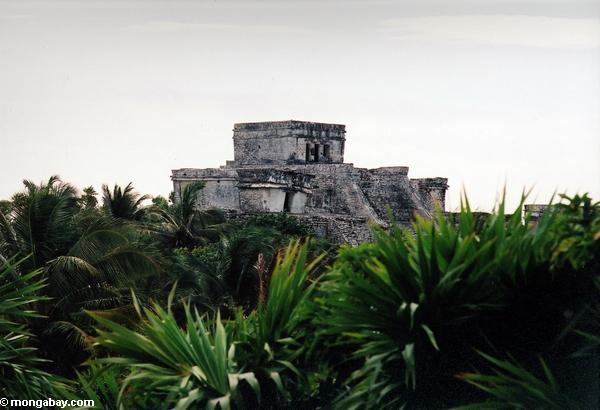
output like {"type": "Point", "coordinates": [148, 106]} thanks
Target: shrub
{"type": "Point", "coordinates": [412, 307]}
{"type": "Point", "coordinates": [21, 374]}
{"type": "Point", "coordinates": [209, 363]}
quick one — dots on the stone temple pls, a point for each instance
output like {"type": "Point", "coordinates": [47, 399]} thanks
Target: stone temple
{"type": "Point", "coordinates": [298, 167]}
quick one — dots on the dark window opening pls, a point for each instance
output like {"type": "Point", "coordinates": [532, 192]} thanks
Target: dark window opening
{"type": "Point", "coordinates": [316, 159]}
{"type": "Point", "coordinates": [287, 203]}
{"type": "Point", "coordinates": [326, 151]}
{"type": "Point", "coordinates": [307, 152]}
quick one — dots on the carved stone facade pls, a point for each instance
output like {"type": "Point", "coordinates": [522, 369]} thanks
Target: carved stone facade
{"type": "Point", "coordinates": [298, 167]}
{"type": "Point", "coordinates": [535, 210]}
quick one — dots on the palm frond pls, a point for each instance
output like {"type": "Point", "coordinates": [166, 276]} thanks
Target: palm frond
{"type": "Point", "coordinates": [123, 203]}
{"type": "Point", "coordinates": [512, 386]}
{"type": "Point", "coordinates": [20, 365]}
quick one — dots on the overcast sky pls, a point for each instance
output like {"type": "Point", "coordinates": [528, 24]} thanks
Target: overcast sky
{"type": "Point", "coordinates": [482, 92]}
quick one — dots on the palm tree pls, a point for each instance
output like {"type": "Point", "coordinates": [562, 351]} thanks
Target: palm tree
{"type": "Point", "coordinates": [182, 225]}
{"type": "Point", "coordinates": [4, 206]}
{"type": "Point", "coordinates": [40, 222]}
{"type": "Point", "coordinates": [89, 259]}
{"type": "Point", "coordinates": [123, 203]}
{"type": "Point", "coordinates": [243, 256]}
{"type": "Point", "coordinates": [88, 199]}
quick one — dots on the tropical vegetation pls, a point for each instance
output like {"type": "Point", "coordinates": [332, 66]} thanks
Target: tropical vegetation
{"type": "Point", "coordinates": [151, 303]}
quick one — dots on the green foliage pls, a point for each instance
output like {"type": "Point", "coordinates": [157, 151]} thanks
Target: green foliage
{"type": "Point", "coordinates": [209, 364]}
{"type": "Point", "coordinates": [21, 374]}
{"type": "Point", "coordinates": [88, 199]}
{"type": "Point", "coordinates": [281, 222]}
{"type": "Point", "coordinates": [413, 306]}
{"type": "Point", "coordinates": [181, 368]}
{"type": "Point", "coordinates": [239, 254]}
{"type": "Point", "coordinates": [40, 222]}
{"type": "Point", "coordinates": [4, 207]}
{"type": "Point", "coordinates": [102, 384]}
{"type": "Point", "coordinates": [511, 386]}
{"type": "Point", "coordinates": [248, 252]}
{"type": "Point", "coordinates": [196, 274]}
{"type": "Point", "coordinates": [181, 224]}
{"type": "Point", "coordinates": [89, 260]}
{"type": "Point", "coordinates": [275, 333]}
{"type": "Point", "coordinates": [288, 288]}
{"type": "Point", "coordinates": [276, 320]}
{"type": "Point", "coordinates": [578, 231]}
{"type": "Point", "coordinates": [160, 202]}
{"type": "Point", "coordinates": [123, 203]}
{"type": "Point", "coordinates": [457, 311]}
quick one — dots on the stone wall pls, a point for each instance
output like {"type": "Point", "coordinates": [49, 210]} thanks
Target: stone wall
{"type": "Point", "coordinates": [286, 142]}
{"type": "Point", "coordinates": [338, 229]}
{"type": "Point", "coordinates": [297, 202]}
{"type": "Point", "coordinates": [273, 173]}
{"type": "Point", "coordinates": [220, 189]}
{"type": "Point", "coordinates": [334, 188]}
{"type": "Point", "coordinates": [535, 210]}
{"type": "Point", "coordinates": [389, 189]}
{"type": "Point", "coordinates": [262, 199]}
{"type": "Point", "coordinates": [432, 191]}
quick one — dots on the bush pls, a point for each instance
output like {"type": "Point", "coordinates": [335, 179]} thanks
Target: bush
{"type": "Point", "coordinates": [208, 363]}
{"type": "Point", "coordinates": [477, 311]}
{"type": "Point", "coordinates": [281, 222]}
{"type": "Point", "coordinates": [21, 369]}
{"type": "Point", "coordinates": [413, 308]}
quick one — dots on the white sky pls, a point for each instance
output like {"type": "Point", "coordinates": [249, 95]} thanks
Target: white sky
{"type": "Point", "coordinates": [480, 91]}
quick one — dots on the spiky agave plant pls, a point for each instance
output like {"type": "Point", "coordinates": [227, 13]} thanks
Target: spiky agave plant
{"type": "Point", "coordinates": [390, 303]}
{"type": "Point", "coordinates": [271, 338]}
{"type": "Point", "coordinates": [102, 383]}
{"type": "Point", "coordinates": [181, 368]}
{"type": "Point", "coordinates": [510, 385]}
{"type": "Point", "coordinates": [208, 364]}
{"type": "Point", "coordinates": [21, 374]}
{"type": "Point", "coordinates": [290, 284]}
{"type": "Point", "coordinates": [563, 308]}
{"type": "Point", "coordinates": [414, 305]}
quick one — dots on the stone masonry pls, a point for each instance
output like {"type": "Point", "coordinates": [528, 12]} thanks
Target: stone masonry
{"type": "Point", "coordinates": [298, 167]}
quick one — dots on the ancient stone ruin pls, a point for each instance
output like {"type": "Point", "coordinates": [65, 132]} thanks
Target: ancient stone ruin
{"type": "Point", "coordinates": [535, 211]}
{"type": "Point", "coordinates": [298, 167]}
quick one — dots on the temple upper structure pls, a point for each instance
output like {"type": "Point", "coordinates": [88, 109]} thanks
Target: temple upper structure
{"type": "Point", "coordinates": [298, 167]}
{"type": "Point", "coordinates": [288, 142]}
